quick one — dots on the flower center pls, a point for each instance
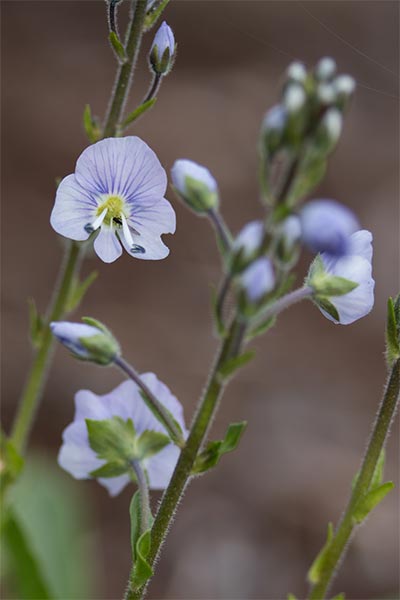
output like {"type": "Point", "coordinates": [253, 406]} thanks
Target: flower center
{"type": "Point", "coordinates": [114, 206]}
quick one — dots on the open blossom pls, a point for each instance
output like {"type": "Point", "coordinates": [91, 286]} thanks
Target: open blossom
{"type": "Point", "coordinates": [356, 266]}
{"type": "Point", "coordinates": [125, 401]}
{"type": "Point", "coordinates": [118, 188]}
{"type": "Point", "coordinates": [327, 226]}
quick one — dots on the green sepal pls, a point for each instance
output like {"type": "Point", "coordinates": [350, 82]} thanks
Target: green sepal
{"type": "Point", "coordinates": [377, 476]}
{"type": "Point", "coordinates": [262, 328]}
{"type": "Point", "coordinates": [210, 456]}
{"type": "Point", "coordinates": [198, 196]}
{"type": "Point", "coordinates": [332, 285]}
{"type": "Point", "coordinates": [78, 291]}
{"type": "Point", "coordinates": [135, 114]}
{"type": "Point", "coordinates": [111, 469]}
{"type": "Point", "coordinates": [218, 321]}
{"type": "Point", "coordinates": [328, 307]}
{"type": "Point", "coordinates": [179, 441]}
{"type": "Point", "coordinates": [318, 565]}
{"type": "Point", "coordinates": [233, 364]}
{"type": "Point", "coordinates": [36, 324]}
{"type": "Point", "coordinates": [310, 172]}
{"type": "Point", "coordinates": [392, 332]}
{"type": "Point", "coordinates": [95, 323]}
{"type": "Point", "coordinates": [153, 15]}
{"type": "Point", "coordinates": [150, 443]}
{"type": "Point", "coordinates": [102, 349]}
{"type": "Point", "coordinates": [117, 47]}
{"type": "Point", "coordinates": [140, 545]}
{"type": "Point", "coordinates": [370, 500]}
{"type": "Point", "coordinates": [90, 125]}
{"type": "Point", "coordinates": [113, 439]}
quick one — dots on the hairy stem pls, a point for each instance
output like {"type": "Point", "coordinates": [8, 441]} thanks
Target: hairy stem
{"type": "Point", "coordinates": [154, 87]}
{"type": "Point", "coordinates": [125, 72]}
{"type": "Point", "coordinates": [141, 481]}
{"type": "Point", "coordinates": [34, 386]}
{"type": "Point", "coordinates": [346, 525]}
{"type": "Point", "coordinates": [159, 411]}
{"type": "Point", "coordinates": [230, 348]}
{"type": "Point", "coordinates": [224, 236]}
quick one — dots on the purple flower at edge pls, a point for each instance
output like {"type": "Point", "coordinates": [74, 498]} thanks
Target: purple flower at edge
{"type": "Point", "coordinates": [118, 188]}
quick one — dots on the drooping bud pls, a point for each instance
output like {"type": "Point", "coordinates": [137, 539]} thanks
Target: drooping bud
{"type": "Point", "coordinates": [195, 185]}
{"type": "Point", "coordinates": [327, 226]}
{"type": "Point", "coordinates": [162, 51]}
{"type": "Point", "coordinates": [325, 69]}
{"type": "Point", "coordinates": [90, 341]}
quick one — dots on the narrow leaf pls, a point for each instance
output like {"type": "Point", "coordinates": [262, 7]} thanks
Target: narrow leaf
{"type": "Point", "coordinates": [36, 324]}
{"type": "Point", "coordinates": [135, 114]}
{"type": "Point", "coordinates": [117, 46]}
{"type": "Point", "coordinates": [25, 568]}
{"type": "Point", "coordinates": [392, 334]}
{"type": "Point", "coordinates": [377, 477]}
{"type": "Point", "coordinates": [317, 567]}
{"type": "Point", "coordinates": [153, 14]}
{"type": "Point", "coordinates": [140, 544]}
{"type": "Point", "coordinates": [111, 469]}
{"type": "Point", "coordinates": [328, 307]}
{"type": "Point", "coordinates": [233, 364]}
{"type": "Point", "coordinates": [370, 500]}
{"type": "Point", "coordinates": [211, 455]}
{"type": "Point", "coordinates": [262, 328]}
{"type": "Point", "coordinates": [79, 290]}
{"type": "Point", "coordinates": [150, 442]}
{"type": "Point", "coordinates": [218, 321]}
{"type": "Point", "coordinates": [90, 126]}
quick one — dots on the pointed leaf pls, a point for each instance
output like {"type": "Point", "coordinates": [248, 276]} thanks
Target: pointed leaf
{"type": "Point", "coordinates": [153, 14]}
{"type": "Point", "coordinates": [79, 290]}
{"type": "Point", "coordinates": [310, 172]}
{"type": "Point", "coordinates": [377, 477]}
{"type": "Point", "coordinates": [317, 567]}
{"type": "Point", "coordinates": [328, 307]}
{"type": "Point", "coordinates": [157, 416]}
{"type": "Point", "coordinates": [211, 455]}
{"type": "Point", "coordinates": [392, 334]}
{"type": "Point", "coordinates": [117, 47]}
{"type": "Point", "coordinates": [111, 469]}
{"type": "Point", "coordinates": [135, 114]}
{"type": "Point", "coordinates": [150, 442]}
{"type": "Point", "coordinates": [218, 320]}
{"type": "Point", "coordinates": [140, 544]}
{"type": "Point", "coordinates": [36, 324]}
{"type": "Point", "coordinates": [90, 126]}
{"type": "Point", "coordinates": [233, 364]}
{"type": "Point", "coordinates": [370, 500]}
{"type": "Point", "coordinates": [262, 328]}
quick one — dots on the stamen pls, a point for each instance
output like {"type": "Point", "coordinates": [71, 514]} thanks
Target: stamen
{"type": "Point", "coordinates": [125, 229]}
{"type": "Point", "coordinates": [97, 222]}
{"type": "Point", "coordinates": [136, 249]}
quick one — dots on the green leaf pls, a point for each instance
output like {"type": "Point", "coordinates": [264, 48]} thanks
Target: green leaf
{"type": "Point", "coordinates": [79, 290]}
{"type": "Point", "coordinates": [117, 46]}
{"type": "Point", "coordinates": [211, 455]}
{"type": "Point", "coordinates": [135, 114]}
{"type": "Point", "coordinates": [140, 544]}
{"type": "Point", "coordinates": [370, 500]}
{"type": "Point", "coordinates": [36, 324]}
{"type": "Point", "coordinates": [91, 127]}
{"type": "Point", "coordinates": [339, 597]}
{"type": "Point", "coordinates": [310, 172]}
{"type": "Point", "coordinates": [317, 567]}
{"type": "Point", "coordinates": [113, 440]}
{"type": "Point", "coordinates": [291, 597]}
{"type": "Point", "coordinates": [150, 442]}
{"type": "Point", "coordinates": [52, 514]}
{"type": "Point", "coordinates": [111, 469]}
{"type": "Point", "coordinates": [262, 328]}
{"type": "Point", "coordinates": [153, 15]}
{"type": "Point", "coordinates": [377, 477]}
{"type": "Point", "coordinates": [392, 334]}
{"type": "Point", "coordinates": [233, 364]}
{"type": "Point", "coordinates": [25, 571]}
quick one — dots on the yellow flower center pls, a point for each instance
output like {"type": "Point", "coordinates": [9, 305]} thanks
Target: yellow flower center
{"type": "Point", "coordinates": [114, 206]}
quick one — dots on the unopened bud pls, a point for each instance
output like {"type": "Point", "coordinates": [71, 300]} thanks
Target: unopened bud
{"type": "Point", "coordinates": [195, 184]}
{"type": "Point", "coordinates": [163, 50]}
{"type": "Point", "coordinates": [297, 72]}
{"type": "Point", "coordinates": [294, 98]}
{"type": "Point", "coordinates": [257, 280]}
{"type": "Point", "coordinates": [90, 341]}
{"type": "Point", "coordinates": [328, 131]}
{"type": "Point", "coordinates": [325, 69]}
{"type": "Point", "coordinates": [273, 128]}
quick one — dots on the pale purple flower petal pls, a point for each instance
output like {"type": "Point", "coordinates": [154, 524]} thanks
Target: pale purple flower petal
{"type": "Point", "coordinates": [164, 39]}
{"type": "Point", "coordinates": [258, 279]}
{"type": "Point", "coordinates": [70, 335]}
{"type": "Point", "coordinates": [125, 401]}
{"type": "Point", "coordinates": [327, 227]}
{"type": "Point", "coordinates": [107, 245]}
{"type": "Point", "coordinates": [249, 238]}
{"type": "Point", "coordinates": [74, 205]}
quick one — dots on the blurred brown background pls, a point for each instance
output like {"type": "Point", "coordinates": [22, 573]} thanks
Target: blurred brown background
{"type": "Point", "coordinates": [251, 528]}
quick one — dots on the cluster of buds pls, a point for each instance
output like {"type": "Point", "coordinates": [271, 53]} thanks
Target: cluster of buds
{"type": "Point", "coordinates": [305, 126]}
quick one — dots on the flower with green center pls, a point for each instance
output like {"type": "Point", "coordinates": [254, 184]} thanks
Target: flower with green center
{"type": "Point", "coordinates": [118, 188]}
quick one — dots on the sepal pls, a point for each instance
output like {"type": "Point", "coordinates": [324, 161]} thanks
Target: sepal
{"type": "Point", "coordinates": [370, 500]}
{"type": "Point", "coordinates": [318, 565]}
{"type": "Point", "coordinates": [210, 456]}
{"type": "Point", "coordinates": [140, 544]}
{"type": "Point", "coordinates": [118, 47]}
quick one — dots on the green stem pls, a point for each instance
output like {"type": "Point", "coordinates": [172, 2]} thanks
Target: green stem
{"type": "Point", "coordinates": [125, 72]}
{"type": "Point", "coordinates": [346, 526]}
{"type": "Point", "coordinates": [230, 348]}
{"type": "Point", "coordinates": [37, 376]}
{"type": "Point", "coordinates": [154, 87]}
{"type": "Point", "coordinates": [224, 236]}
{"type": "Point", "coordinates": [141, 481]}
{"type": "Point", "coordinates": [152, 402]}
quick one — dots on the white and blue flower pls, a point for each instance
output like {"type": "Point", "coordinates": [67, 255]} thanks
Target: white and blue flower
{"type": "Point", "coordinates": [118, 189]}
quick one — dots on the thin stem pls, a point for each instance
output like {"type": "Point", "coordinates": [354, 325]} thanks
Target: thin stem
{"type": "Point", "coordinates": [224, 236]}
{"type": "Point", "coordinates": [34, 386]}
{"type": "Point", "coordinates": [125, 72]}
{"type": "Point", "coordinates": [154, 87]}
{"type": "Point", "coordinates": [144, 496]}
{"type": "Point", "coordinates": [376, 443]}
{"type": "Point", "coordinates": [152, 402]}
{"type": "Point", "coordinates": [112, 13]}
{"type": "Point", "coordinates": [285, 302]}
{"type": "Point", "coordinates": [222, 295]}
{"type": "Point", "coordinates": [230, 348]}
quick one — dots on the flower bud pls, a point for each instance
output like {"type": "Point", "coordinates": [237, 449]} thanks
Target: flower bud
{"type": "Point", "coordinates": [326, 94]}
{"type": "Point", "coordinates": [290, 231]}
{"type": "Point", "coordinates": [272, 129]}
{"type": "Point", "coordinates": [325, 69]}
{"type": "Point", "coordinates": [88, 341]}
{"type": "Point", "coordinates": [344, 86]}
{"type": "Point", "coordinates": [246, 245]}
{"type": "Point", "coordinates": [328, 131]}
{"type": "Point", "coordinates": [294, 98]}
{"type": "Point", "coordinates": [163, 50]}
{"type": "Point", "coordinates": [257, 280]}
{"type": "Point", "coordinates": [327, 226]}
{"type": "Point", "coordinates": [195, 184]}
{"type": "Point", "coordinates": [297, 72]}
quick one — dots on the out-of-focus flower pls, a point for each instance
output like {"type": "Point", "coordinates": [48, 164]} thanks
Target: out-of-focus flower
{"type": "Point", "coordinates": [258, 279]}
{"type": "Point", "coordinates": [87, 342]}
{"type": "Point", "coordinates": [163, 50]}
{"type": "Point", "coordinates": [118, 187]}
{"type": "Point", "coordinates": [195, 184]}
{"type": "Point", "coordinates": [355, 267]}
{"type": "Point", "coordinates": [327, 226]}
{"type": "Point", "coordinates": [247, 243]}
{"type": "Point", "coordinates": [125, 401]}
